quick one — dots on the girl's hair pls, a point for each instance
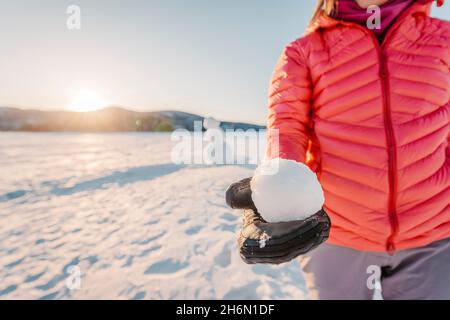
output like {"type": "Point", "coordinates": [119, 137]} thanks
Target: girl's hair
{"type": "Point", "coordinates": [326, 7]}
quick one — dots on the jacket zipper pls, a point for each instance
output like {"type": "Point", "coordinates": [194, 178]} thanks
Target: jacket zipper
{"type": "Point", "coordinates": [389, 129]}
{"type": "Point", "coordinates": [390, 138]}
{"type": "Point", "coordinates": [392, 155]}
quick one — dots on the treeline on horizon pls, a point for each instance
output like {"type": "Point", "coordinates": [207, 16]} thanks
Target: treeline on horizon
{"type": "Point", "coordinates": [112, 119]}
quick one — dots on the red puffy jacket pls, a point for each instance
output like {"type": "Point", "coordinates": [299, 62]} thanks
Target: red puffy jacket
{"type": "Point", "coordinates": [373, 122]}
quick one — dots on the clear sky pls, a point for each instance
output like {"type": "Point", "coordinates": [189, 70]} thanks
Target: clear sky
{"type": "Point", "coordinates": [211, 57]}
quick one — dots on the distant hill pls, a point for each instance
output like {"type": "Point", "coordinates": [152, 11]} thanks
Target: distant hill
{"type": "Point", "coordinates": [113, 119]}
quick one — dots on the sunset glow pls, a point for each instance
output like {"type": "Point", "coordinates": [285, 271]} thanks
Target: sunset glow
{"type": "Point", "coordinates": [87, 101]}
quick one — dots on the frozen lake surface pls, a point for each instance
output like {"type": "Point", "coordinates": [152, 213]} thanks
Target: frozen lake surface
{"type": "Point", "coordinates": [135, 225]}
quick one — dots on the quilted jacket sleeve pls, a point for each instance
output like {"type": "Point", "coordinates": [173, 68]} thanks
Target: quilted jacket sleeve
{"type": "Point", "coordinates": [448, 103]}
{"type": "Point", "coordinates": [289, 106]}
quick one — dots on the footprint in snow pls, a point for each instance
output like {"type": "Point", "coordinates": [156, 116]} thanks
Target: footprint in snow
{"type": "Point", "coordinates": [193, 230]}
{"type": "Point", "coordinates": [166, 267]}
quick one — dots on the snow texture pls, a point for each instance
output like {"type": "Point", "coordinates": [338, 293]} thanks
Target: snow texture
{"type": "Point", "coordinates": [290, 192]}
{"type": "Point", "coordinates": [136, 225]}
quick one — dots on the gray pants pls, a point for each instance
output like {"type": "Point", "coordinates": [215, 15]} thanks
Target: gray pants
{"type": "Point", "coordinates": [338, 273]}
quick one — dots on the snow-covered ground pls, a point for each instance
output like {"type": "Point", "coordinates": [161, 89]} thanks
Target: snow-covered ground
{"type": "Point", "coordinates": [135, 225]}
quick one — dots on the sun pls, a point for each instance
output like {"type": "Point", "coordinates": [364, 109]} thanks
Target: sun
{"type": "Point", "coordinates": [87, 101]}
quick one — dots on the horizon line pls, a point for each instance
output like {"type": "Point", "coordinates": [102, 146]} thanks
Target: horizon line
{"type": "Point", "coordinates": [23, 108]}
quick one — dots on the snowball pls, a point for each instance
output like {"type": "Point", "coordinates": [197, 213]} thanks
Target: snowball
{"type": "Point", "coordinates": [285, 190]}
{"type": "Point", "coordinates": [211, 123]}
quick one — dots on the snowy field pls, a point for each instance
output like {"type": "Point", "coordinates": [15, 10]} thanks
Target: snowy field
{"type": "Point", "coordinates": [135, 225]}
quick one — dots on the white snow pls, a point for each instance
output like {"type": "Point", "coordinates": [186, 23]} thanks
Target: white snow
{"type": "Point", "coordinates": [285, 190]}
{"type": "Point", "coordinates": [263, 241]}
{"type": "Point", "coordinates": [136, 225]}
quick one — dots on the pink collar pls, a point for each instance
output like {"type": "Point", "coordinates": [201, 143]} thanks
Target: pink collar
{"type": "Point", "coordinates": [324, 22]}
{"type": "Point", "coordinates": [349, 10]}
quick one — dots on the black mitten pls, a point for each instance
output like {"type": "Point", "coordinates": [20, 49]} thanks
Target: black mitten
{"type": "Point", "coordinates": [274, 243]}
